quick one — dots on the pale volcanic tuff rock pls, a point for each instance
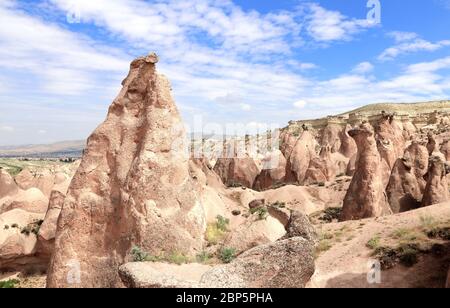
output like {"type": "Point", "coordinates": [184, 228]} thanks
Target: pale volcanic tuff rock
{"type": "Point", "coordinates": [407, 184]}
{"type": "Point", "coordinates": [7, 185]}
{"type": "Point", "coordinates": [237, 171]}
{"type": "Point", "coordinates": [331, 137]}
{"type": "Point", "coordinates": [445, 149]}
{"type": "Point", "coordinates": [436, 190]}
{"type": "Point", "coordinates": [322, 168]}
{"type": "Point", "coordinates": [348, 144]}
{"type": "Point", "coordinates": [132, 188]}
{"type": "Point", "coordinates": [298, 152]}
{"type": "Point", "coordinates": [273, 172]}
{"type": "Point", "coordinates": [47, 231]}
{"type": "Point", "coordinates": [366, 196]}
{"type": "Point", "coordinates": [390, 141]}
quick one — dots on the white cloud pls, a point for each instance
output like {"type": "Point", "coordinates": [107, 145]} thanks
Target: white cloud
{"type": "Point", "coordinates": [62, 62]}
{"type": "Point", "coordinates": [6, 129]}
{"type": "Point", "coordinates": [325, 25]}
{"type": "Point", "coordinates": [409, 43]}
{"type": "Point", "coordinates": [300, 104]}
{"type": "Point", "coordinates": [400, 36]}
{"type": "Point", "coordinates": [246, 107]}
{"type": "Point", "coordinates": [363, 68]}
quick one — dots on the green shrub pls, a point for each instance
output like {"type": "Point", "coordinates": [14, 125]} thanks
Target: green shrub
{"type": "Point", "coordinates": [177, 258]}
{"type": "Point", "coordinates": [203, 257]}
{"type": "Point", "coordinates": [222, 223]}
{"type": "Point", "coordinates": [9, 284]}
{"type": "Point", "coordinates": [138, 254]}
{"type": "Point", "coordinates": [227, 254]}
{"type": "Point", "coordinates": [373, 243]}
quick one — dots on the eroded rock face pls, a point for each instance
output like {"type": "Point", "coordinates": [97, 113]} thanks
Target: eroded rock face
{"type": "Point", "coordinates": [7, 185]}
{"type": "Point", "coordinates": [132, 188]}
{"type": "Point", "coordinates": [237, 171]}
{"type": "Point", "coordinates": [47, 231]}
{"type": "Point", "coordinates": [331, 137]}
{"type": "Point", "coordinates": [445, 149]}
{"type": "Point", "coordinates": [390, 141]}
{"type": "Point", "coordinates": [299, 225]}
{"type": "Point", "coordinates": [273, 172]}
{"type": "Point", "coordinates": [348, 144]}
{"type": "Point", "coordinates": [299, 158]}
{"type": "Point", "coordinates": [321, 169]}
{"type": "Point", "coordinates": [436, 190]}
{"type": "Point", "coordinates": [283, 264]}
{"type": "Point", "coordinates": [366, 196]}
{"type": "Point", "coordinates": [406, 184]}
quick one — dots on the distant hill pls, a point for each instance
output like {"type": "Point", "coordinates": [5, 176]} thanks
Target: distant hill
{"type": "Point", "coordinates": [56, 150]}
{"type": "Point", "coordinates": [74, 149]}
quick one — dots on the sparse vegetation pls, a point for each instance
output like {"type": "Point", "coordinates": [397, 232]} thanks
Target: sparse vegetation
{"type": "Point", "coordinates": [405, 254]}
{"type": "Point", "coordinates": [374, 243]}
{"type": "Point", "coordinates": [331, 214]}
{"type": "Point", "coordinates": [15, 226]}
{"type": "Point", "coordinates": [262, 212]}
{"type": "Point", "coordinates": [215, 232]}
{"type": "Point", "coordinates": [138, 254]}
{"type": "Point", "coordinates": [32, 228]}
{"type": "Point", "coordinates": [9, 284]}
{"type": "Point", "coordinates": [222, 223]}
{"type": "Point", "coordinates": [227, 254]}
{"type": "Point", "coordinates": [204, 257]}
{"type": "Point", "coordinates": [278, 204]}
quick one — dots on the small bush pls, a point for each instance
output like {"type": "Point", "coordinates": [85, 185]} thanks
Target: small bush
{"type": "Point", "coordinates": [227, 254]}
{"type": "Point", "coordinates": [6, 227]}
{"type": "Point", "coordinates": [428, 222]}
{"type": "Point", "coordinates": [222, 223]}
{"type": "Point", "coordinates": [177, 258]}
{"type": "Point", "coordinates": [9, 284]}
{"type": "Point", "coordinates": [33, 227]}
{"type": "Point", "coordinates": [15, 226]}
{"type": "Point", "coordinates": [262, 212]}
{"type": "Point", "coordinates": [321, 184]}
{"type": "Point", "coordinates": [373, 243]}
{"type": "Point", "coordinates": [203, 257]}
{"type": "Point", "coordinates": [331, 214]}
{"type": "Point", "coordinates": [279, 204]}
{"type": "Point", "coordinates": [139, 255]}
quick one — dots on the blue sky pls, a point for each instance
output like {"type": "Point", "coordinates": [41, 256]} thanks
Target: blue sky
{"type": "Point", "coordinates": [246, 61]}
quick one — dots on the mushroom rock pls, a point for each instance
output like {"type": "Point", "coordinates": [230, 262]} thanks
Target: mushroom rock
{"type": "Point", "coordinates": [299, 158]}
{"type": "Point", "coordinates": [390, 141]}
{"type": "Point", "coordinates": [436, 190]}
{"type": "Point", "coordinates": [366, 196]}
{"type": "Point", "coordinates": [331, 137]}
{"type": "Point", "coordinates": [133, 188]}
{"type": "Point", "coordinates": [273, 171]}
{"type": "Point", "coordinates": [348, 145]}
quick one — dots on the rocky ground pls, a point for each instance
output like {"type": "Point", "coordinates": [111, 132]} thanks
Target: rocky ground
{"type": "Point", "coordinates": [334, 197]}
